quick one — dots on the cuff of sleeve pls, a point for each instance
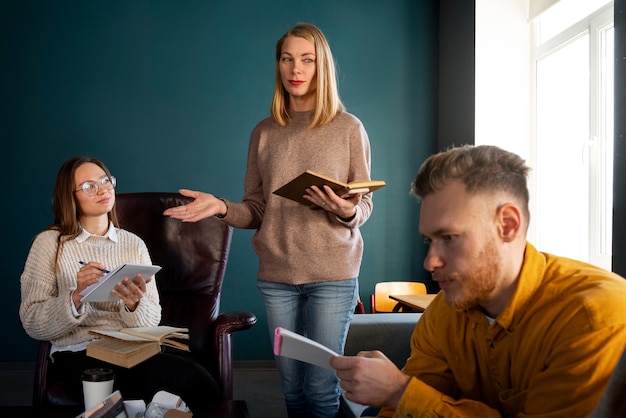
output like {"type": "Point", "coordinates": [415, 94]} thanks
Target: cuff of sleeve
{"type": "Point", "coordinates": [220, 215]}
{"type": "Point", "coordinates": [76, 312]}
{"type": "Point", "coordinates": [351, 218]}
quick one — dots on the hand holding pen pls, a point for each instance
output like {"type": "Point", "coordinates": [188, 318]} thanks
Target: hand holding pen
{"type": "Point", "coordinates": [88, 274]}
{"type": "Point", "coordinates": [82, 263]}
{"type": "Point", "coordinates": [130, 290]}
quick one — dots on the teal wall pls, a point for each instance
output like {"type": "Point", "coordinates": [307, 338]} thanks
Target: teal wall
{"type": "Point", "coordinates": [166, 93]}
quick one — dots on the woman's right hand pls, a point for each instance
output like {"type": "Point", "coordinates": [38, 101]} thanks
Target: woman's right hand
{"type": "Point", "coordinates": [88, 274]}
{"type": "Point", "coordinates": [203, 206]}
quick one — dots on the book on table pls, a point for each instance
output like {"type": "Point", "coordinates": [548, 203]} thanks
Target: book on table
{"type": "Point", "coordinates": [130, 346]}
{"type": "Point", "coordinates": [296, 188]}
{"type": "Point", "coordinates": [101, 290]}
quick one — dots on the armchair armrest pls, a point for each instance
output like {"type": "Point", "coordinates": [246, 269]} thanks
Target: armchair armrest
{"type": "Point", "coordinates": [225, 324]}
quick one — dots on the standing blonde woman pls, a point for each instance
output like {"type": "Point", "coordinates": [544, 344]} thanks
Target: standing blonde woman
{"type": "Point", "coordinates": [309, 259]}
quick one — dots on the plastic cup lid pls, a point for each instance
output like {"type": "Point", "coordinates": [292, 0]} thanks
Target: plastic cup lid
{"type": "Point", "coordinates": [98, 375]}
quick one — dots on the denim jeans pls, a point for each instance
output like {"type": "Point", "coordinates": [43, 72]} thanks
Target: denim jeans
{"type": "Point", "coordinates": [320, 311]}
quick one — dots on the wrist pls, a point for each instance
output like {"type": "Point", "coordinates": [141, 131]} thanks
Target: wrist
{"type": "Point", "coordinates": [131, 308]}
{"type": "Point", "coordinates": [350, 216]}
{"type": "Point", "coordinates": [221, 215]}
{"type": "Point", "coordinates": [399, 391]}
{"type": "Point", "coordinates": [76, 300]}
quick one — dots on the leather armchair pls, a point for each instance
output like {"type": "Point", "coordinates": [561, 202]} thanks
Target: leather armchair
{"type": "Point", "coordinates": [194, 258]}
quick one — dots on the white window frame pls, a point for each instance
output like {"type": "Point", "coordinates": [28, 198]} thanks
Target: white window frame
{"type": "Point", "coordinates": [505, 100]}
{"type": "Point", "coordinates": [600, 138]}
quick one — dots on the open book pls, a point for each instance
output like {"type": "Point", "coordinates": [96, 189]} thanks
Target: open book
{"type": "Point", "coordinates": [130, 346]}
{"type": "Point", "coordinates": [101, 290]}
{"type": "Point", "coordinates": [290, 344]}
{"type": "Point", "coordinates": [296, 188]}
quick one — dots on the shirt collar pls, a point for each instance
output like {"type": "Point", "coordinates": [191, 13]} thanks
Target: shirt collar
{"type": "Point", "coordinates": [530, 279]}
{"type": "Point", "coordinates": [111, 234]}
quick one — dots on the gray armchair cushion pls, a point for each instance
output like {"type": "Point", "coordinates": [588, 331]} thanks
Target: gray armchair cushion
{"type": "Point", "coordinates": [613, 401]}
{"type": "Point", "coordinates": [386, 332]}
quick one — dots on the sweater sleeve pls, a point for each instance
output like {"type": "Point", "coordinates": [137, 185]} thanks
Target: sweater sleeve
{"type": "Point", "coordinates": [45, 309]}
{"type": "Point", "coordinates": [249, 213]}
{"type": "Point", "coordinates": [360, 162]}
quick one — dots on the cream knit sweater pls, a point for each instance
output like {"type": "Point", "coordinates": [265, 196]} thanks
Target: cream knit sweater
{"type": "Point", "coordinates": [296, 244]}
{"type": "Point", "coordinates": [46, 306]}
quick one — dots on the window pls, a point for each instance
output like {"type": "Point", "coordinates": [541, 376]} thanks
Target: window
{"type": "Point", "coordinates": [544, 90]}
{"type": "Point", "coordinates": [572, 155]}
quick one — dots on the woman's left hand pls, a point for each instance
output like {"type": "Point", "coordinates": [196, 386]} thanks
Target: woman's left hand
{"type": "Point", "coordinates": [342, 206]}
{"type": "Point", "coordinates": [131, 291]}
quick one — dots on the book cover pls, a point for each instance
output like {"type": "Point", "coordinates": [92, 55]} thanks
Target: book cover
{"type": "Point", "coordinates": [101, 290]}
{"type": "Point", "coordinates": [122, 352]}
{"type": "Point", "coordinates": [296, 188]}
{"type": "Point", "coordinates": [290, 344]}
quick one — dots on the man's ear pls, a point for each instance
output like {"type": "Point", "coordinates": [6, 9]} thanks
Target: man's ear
{"type": "Point", "coordinates": [509, 219]}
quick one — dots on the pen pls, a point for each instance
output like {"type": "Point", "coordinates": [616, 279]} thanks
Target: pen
{"type": "Point", "coordinates": [82, 263]}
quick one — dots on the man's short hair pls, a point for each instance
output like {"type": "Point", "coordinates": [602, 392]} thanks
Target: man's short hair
{"type": "Point", "coordinates": [483, 169]}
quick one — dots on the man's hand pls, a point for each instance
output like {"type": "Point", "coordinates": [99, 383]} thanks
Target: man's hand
{"type": "Point", "coordinates": [370, 378]}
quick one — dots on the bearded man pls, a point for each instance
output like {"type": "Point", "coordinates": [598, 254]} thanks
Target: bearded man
{"type": "Point", "coordinates": [514, 332]}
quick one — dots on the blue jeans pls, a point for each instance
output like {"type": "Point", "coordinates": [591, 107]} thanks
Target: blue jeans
{"type": "Point", "coordinates": [322, 312]}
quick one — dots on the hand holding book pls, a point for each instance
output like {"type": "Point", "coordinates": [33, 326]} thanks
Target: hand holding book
{"type": "Point", "coordinates": [101, 291]}
{"type": "Point", "coordinates": [296, 188]}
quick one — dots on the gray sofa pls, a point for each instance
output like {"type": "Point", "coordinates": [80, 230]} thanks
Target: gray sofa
{"type": "Point", "coordinates": [387, 332]}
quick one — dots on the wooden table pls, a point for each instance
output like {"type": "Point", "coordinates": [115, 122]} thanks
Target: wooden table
{"type": "Point", "coordinates": [416, 303]}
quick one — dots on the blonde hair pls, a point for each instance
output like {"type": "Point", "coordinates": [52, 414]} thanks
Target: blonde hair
{"type": "Point", "coordinates": [327, 101]}
{"type": "Point", "coordinates": [481, 168]}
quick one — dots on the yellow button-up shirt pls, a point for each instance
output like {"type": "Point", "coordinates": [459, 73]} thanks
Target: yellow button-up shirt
{"type": "Point", "coordinates": [550, 353]}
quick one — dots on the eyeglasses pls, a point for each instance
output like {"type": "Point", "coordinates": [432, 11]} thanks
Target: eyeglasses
{"type": "Point", "coordinates": [90, 188]}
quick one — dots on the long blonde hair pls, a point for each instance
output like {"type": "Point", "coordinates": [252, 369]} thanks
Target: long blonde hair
{"type": "Point", "coordinates": [327, 101]}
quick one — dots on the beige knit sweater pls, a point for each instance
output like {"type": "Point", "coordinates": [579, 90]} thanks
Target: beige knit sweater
{"type": "Point", "coordinates": [296, 244]}
{"type": "Point", "coordinates": [46, 306]}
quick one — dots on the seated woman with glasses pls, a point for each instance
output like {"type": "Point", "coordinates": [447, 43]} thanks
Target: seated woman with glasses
{"type": "Point", "coordinates": [73, 253]}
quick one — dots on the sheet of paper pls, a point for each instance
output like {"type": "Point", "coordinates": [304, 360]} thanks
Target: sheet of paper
{"type": "Point", "coordinates": [295, 346]}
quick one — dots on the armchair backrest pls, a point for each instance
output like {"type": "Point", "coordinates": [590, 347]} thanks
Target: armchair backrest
{"type": "Point", "coordinates": [193, 257]}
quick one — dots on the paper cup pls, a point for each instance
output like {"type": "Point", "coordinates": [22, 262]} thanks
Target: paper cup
{"type": "Point", "coordinates": [97, 385]}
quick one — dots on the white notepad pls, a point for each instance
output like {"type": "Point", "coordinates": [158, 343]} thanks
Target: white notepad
{"type": "Point", "coordinates": [295, 346]}
{"type": "Point", "coordinates": [101, 290]}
